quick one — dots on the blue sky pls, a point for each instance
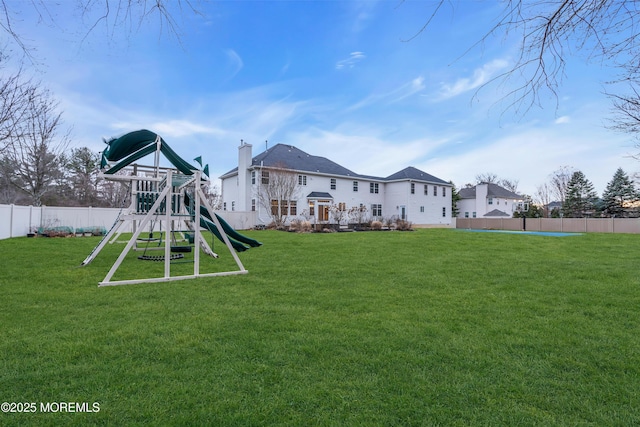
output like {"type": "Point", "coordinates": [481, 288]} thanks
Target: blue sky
{"type": "Point", "coordinates": [339, 79]}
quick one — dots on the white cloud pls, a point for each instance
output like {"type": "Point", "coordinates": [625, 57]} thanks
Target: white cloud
{"type": "Point", "coordinates": [235, 63]}
{"type": "Point", "coordinates": [480, 76]}
{"type": "Point", "coordinates": [363, 150]}
{"type": "Point", "coordinates": [181, 128]}
{"type": "Point", "coordinates": [351, 61]}
{"type": "Point", "coordinates": [362, 14]}
{"type": "Point", "coordinates": [562, 119]}
{"type": "Point", "coordinates": [398, 94]}
{"type": "Point", "coordinates": [530, 155]}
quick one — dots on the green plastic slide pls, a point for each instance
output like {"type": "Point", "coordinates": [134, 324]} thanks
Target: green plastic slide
{"type": "Point", "coordinates": [137, 144]}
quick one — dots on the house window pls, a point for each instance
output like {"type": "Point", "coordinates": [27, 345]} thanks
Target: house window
{"type": "Point", "coordinates": [302, 179]}
{"type": "Point", "coordinates": [355, 185]}
{"type": "Point", "coordinates": [333, 183]}
{"type": "Point", "coordinates": [490, 200]}
{"type": "Point", "coordinates": [265, 177]}
{"type": "Point", "coordinates": [474, 214]}
{"type": "Point", "coordinates": [233, 206]}
{"type": "Point", "coordinates": [373, 187]}
{"type": "Point", "coordinates": [253, 177]}
{"type": "Point", "coordinates": [421, 209]}
{"type": "Point", "coordinates": [274, 207]}
{"type": "Point", "coordinates": [284, 207]}
{"type": "Point", "coordinates": [413, 188]}
{"type": "Point", "coordinates": [342, 207]}
{"type": "Point", "coordinates": [293, 207]}
{"type": "Point", "coordinates": [444, 191]}
{"type": "Point", "coordinates": [376, 210]}
{"type": "Point", "coordinates": [312, 208]}
{"type": "Point", "coordinates": [224, 206]}
{"type": "Point", "coordinates": [466, 214]}
{"type": "Point", "coordinates": [426, 190]}
{"type": "Point", "coordinates": [253, 205]}
{"type": "Point", "coordinates": [435, 190]}
{"type": "Point", "coordinates": [444, 211]}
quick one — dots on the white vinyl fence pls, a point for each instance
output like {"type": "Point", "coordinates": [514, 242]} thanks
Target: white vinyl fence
{"type": "Point", "coordinates": [17, 221]}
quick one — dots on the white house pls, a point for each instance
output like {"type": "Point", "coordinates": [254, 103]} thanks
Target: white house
{"type": "Point", "coordinates": [409, 194]}
{"type": "Point", "coordinates": [487, 200]}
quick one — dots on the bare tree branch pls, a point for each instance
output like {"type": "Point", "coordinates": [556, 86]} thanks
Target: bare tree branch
{"type": "Point", "coordinates": [125, 15]}
{"type": "Point", "coordinates": [552, 30]}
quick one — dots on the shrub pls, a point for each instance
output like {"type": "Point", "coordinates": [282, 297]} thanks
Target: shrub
{"type": "Point", "coordinates": [300, 226]}
{"type": "Point", "coordinates": [376, 225]}
{"type": "Point", "coordinates": [403, 225]}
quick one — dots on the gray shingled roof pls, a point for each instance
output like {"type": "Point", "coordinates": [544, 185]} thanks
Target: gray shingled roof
{"type": "Point", "coordinates": [319, 195]}
{"type": "Point", "coordinates": [290, 157]}
{"type": "Point", "coordinates": [494, 190]}
{"type": "Point", "coordinates": [414, 174]}
{"type": "Point", "coordinates": [281, 155]}
{"type": "Point", "coordinates": [497, 212]}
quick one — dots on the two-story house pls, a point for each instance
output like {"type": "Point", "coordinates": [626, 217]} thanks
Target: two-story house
{"type": "Point", "coordinates": [487, 200]}
{"type": "Point", "coordinates": [323, 185]}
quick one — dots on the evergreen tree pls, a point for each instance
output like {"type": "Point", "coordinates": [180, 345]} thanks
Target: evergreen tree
{"type": "Point", "coordinates": [619, 190]}
{"type": "Point", "coordinates": [580, 197]}
{"type": "Point", "coordinates": [455, 197]}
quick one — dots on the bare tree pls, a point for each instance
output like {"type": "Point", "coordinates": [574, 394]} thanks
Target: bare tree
{"type": "Point", "coordinates": [36, 146]}
{"type": "Point", "coordinates": [16, 91]}
{"type": "Point", "coordinates": [9, 194]}
{"type": "Point", "coordinates": [509, 184]}
{"type": "Point", "coordinates": [488, 177]}
{"type": "Point", "coordinates": [492, 178]}
{"type": "Point", "coordinates": [114, 194]}
{"type": "Point", "coordinates": [626, 116]}
{"type": "Point", "coordinates": [559, 181]}
{"type": "Point", "coordinates": [212, 192]}
{"type": "Point", "coordinates": [543, 197]}
{"type": "Point", "coordinates": [115, 15]}
{"type": "Point", "coordinates": [551, 30]}
{"type": "Point", "coordinates": [278, 188]}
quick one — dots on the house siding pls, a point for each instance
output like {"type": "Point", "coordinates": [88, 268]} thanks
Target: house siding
{"type": "Point", "coordinates": [420, 209]}
{"type": "Point", "coordinates": [479, 204]}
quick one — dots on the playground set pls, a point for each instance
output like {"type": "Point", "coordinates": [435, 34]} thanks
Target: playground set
{"type": "Point", "coordinates": [169, 196]}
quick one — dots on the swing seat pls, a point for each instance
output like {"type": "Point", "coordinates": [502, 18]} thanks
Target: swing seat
{"type": "Point", "coordinates": [159, 257]}
{"type": "Point", "coordinates": [180, 248]}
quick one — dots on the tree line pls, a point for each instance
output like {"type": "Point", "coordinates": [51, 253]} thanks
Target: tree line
{"type": "Point", "coordinates": [570, 194]}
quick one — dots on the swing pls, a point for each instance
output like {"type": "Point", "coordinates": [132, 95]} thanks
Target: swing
{"type": "Point", "coordinates": [144, 255]}
{"type": "Point", "coordinates": [160, 257]}
{"type": "Point", "coordinates": [181, 248]}
{"type": "Point", "coordinates": [151, 238]}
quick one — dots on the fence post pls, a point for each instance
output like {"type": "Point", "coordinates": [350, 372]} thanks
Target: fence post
{"type": "Point", "coordinates": [11, 221]}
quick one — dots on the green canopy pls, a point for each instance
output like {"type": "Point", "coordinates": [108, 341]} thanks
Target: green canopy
{"type": "Point", "coordinates": [137, 144]}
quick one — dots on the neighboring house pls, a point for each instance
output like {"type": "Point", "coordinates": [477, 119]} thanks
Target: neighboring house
{"type": "Point", "coordinates": [487, 200]}
{"type": "Point", "coordinates": [324, 185]}
{"type": "Point", "coordinates": [554, 206]}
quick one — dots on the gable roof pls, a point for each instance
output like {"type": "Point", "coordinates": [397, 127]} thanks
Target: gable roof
{"type": "Point", "coordinates": [493, 190]}
{"type": "Point", "coordinates": [319, 195]}
{"type": "Point", "coordinates": [290, 157]}
{"type": "Point", "coordinates": [497, 212]}
{"type": "Point", "coordinates": [414, 174]}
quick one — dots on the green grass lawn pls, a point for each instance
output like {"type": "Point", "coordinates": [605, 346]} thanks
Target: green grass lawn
{"type": "Point", "coordinates": [432, 327]}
